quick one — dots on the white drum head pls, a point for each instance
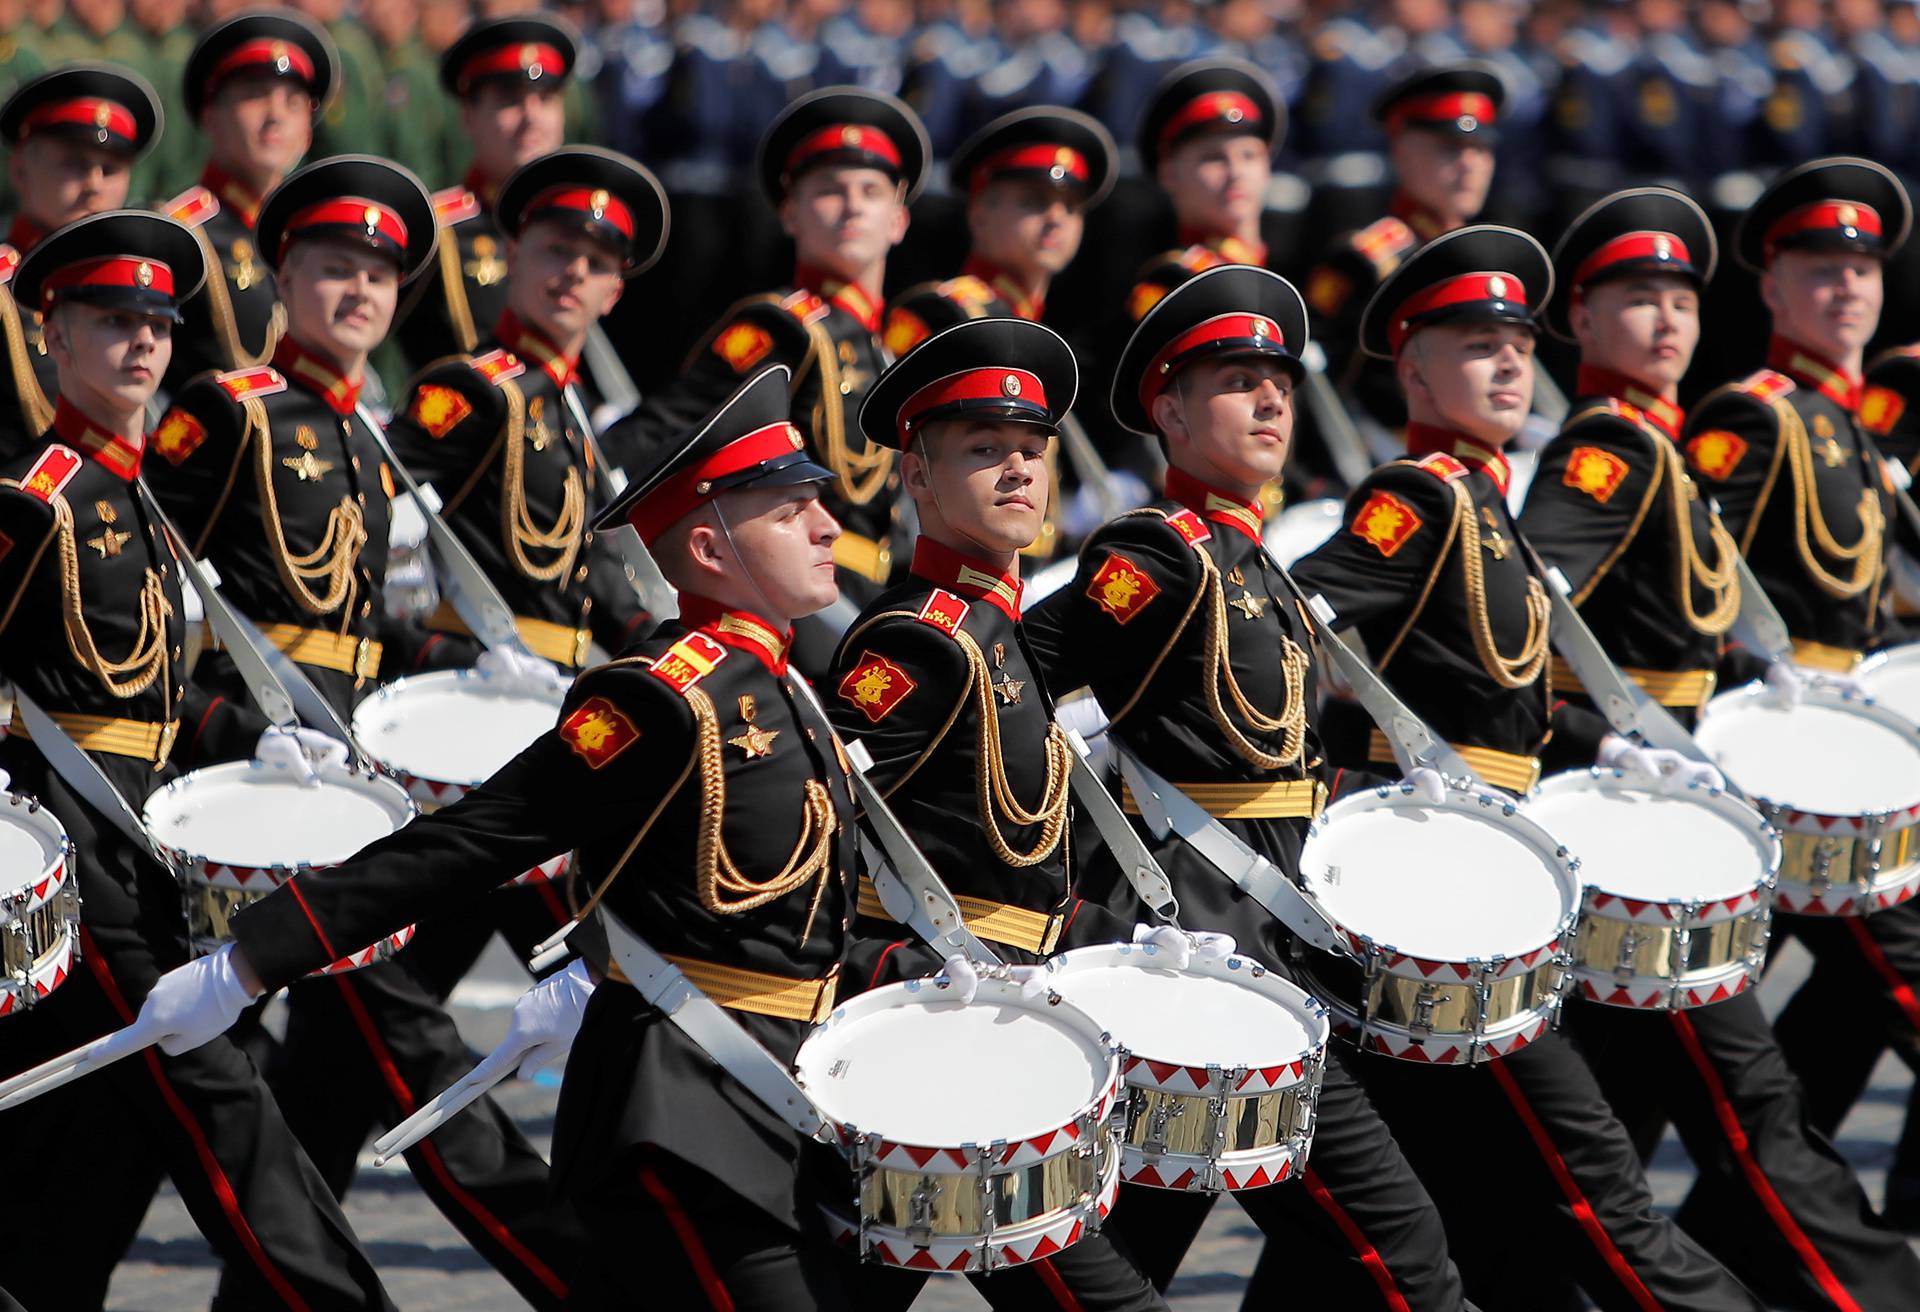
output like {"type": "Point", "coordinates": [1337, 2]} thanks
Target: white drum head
{"type": "Point", "coordinates": [902, 1063]}
{"type": "Point", "coordinates": [249, 814]}
{"type": "Point", "coordinates": [31, 842]}
{"type": "Point", "coordinates": [1892, 678]}
{"type": "Point", "coordinates": [1299, 530]}
{"type": "Point", "coordinates": [1448, 883]}
{"type": "Point", "coordinates": [1636, 843]}
{"type": "Point", "coordinates": [1827, 755]}
{"type": "Point", "coordinates": [452, 727]}
{"type": "Point", "coordinates": [1187, 1018]}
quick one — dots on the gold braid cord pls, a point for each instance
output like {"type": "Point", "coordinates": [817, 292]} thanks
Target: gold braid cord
{"type": "Point", "coordinates": [226, 327]}
{"type": "Point", "coordinates": [333, 561]}
{"type": "Point", "coordinates": [1863, 555]}
{"type": "Point", "coordinates": [861, 474]}
{"type": "Point", "coordinates": [1721, 580]}
{"type": "Point", "coordinates": [724, 889]}
{"type": "Point", "coordinates": [453, 289]}
{"type": "Point", "coordinates": [1218, 663]}
{"type": "Point", "coordinates": [149, 658]}
{"type": "Point", "coordinates": [35, 414]}
{"type": "Point", "coordinates": [1523, 669]}
{"type": "Point", "coordinates": [991, 789]}
{"type": "Point", "coordinates": [516, 522]}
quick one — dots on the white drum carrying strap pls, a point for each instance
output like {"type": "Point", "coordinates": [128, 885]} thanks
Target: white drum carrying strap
{"type": "Point", "coordinates": [1149, 881]}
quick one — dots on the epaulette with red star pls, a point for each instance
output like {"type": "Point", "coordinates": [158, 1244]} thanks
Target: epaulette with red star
{"type": "Point", "coordinates": [248, 384]}
{"type": "Point", "coordinates": [805, 306]}
{"type": "Point", "coordinates": [1765, 385]}
{"type": "Point", "coordinates": [498, 365]}
{"type": "Point", "coordinates": [193, 207]}
{"type": "Point", "coordinates": [453, 205]}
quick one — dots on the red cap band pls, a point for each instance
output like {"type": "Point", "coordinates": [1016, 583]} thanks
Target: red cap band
{"type": "Point", "coordinates": [596, 203]}
{"type": "Point", "coordinates": [1848, 218]}
{"type": "Point", "coordinates": [533, 59]}
{"type": "Point", "coordinates": [1007, 387]}
{"type": "Point", "coordinates": [1454, 291]}
{"type": "Point", "coordinates": [1632, 247]}
{"type": "Point", "coordinates": [108, 271]}
{"type": "Point", "coordinates": [269, 52]}
{"type": "Point", "coordinates": [1229, 107]}
{"type": "Point", "coordinates": [1250, 331]}
{"type": "Point", "coordinates": [1061, 163]}
{"type": "Point", "coordinates": [86, 112]}
{"type": "Point", "coordinates": [1442, 107]}
{"type": "Point", "coordinates": [655, 512]}
{"type": "Point", "coordinates": [371, 217]}
{"type": "Point", "coordinates": [853, 137]}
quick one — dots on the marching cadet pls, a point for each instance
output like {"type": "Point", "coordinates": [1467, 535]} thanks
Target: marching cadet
{"type": "Point", "coordinates": [506, 75]}
{"type": "Point", "coordinates": [92, 630]}
{"type": "Point", "coordinates": [254, 86]}
{"type": "Point", "coordinates": [935, 679]}
{"type": "Point", "coordinates": [1030, 179]}
{"type": "Point", "coordinates": [842, 164]}
{"type": "Point", "coordinates": [272, 475]}
{"type": "Point", "coordinates": [72, 137]}
{"type": "Point", "coordinates": [1182, 626]}
{"type": "Point", "coordinates": [695, 1195]}
{"type": "Point", "coordinates": [1430, 571]}
{"type": "Point", "coordinates": [1653, 571]}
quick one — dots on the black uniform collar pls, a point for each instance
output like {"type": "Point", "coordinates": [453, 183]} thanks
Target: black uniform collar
{"type": "Point", "coordinates": [529, 343]}
{"type": "Point", "coordinates": [235, 196]}
{"type": "Point", "coordinates": [481, 185]}
{"type": "Point", "coordinates": [1429, 440]}
{"type": "Point", "coordinates": [1230, 249]}
{"type": "Point", "coordinates": [848, 296]}
{"type": "Point", "coordinates": [1810, 369]}
{"type": "Point", "coordinates": [1023, 306]}
{"type": "Point", "coordinates": [1425, 223]}
{"type": "Point", "coordinates": [1210, 503]}
{"type": "Point", "coordinates": [942, 566]}
{"type": "Point", "coordinates": [110, 451]}
{"type": "Point", "coordinates": [738, 628]}
{"type": "Point", "coordinates": [1661, 413]}
{"type": "Point", "coordinates": [318, 375]}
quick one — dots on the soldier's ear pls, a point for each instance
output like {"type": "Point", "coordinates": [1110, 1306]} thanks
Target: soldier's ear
{"type": "Point", "coordinates": [53, 334]}
{"type": "Point", "coordinates": [902, 216]}
{"type": "Point", "coordinates": [1170, 417]}
{"type": "Point", "coordinates": [1770, 293]}
{"type": "Point", "coordinates": [1413, 380]}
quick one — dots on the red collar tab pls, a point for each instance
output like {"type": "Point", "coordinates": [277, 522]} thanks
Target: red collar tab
{"type": "Point", "coordinates": [739, 629]}
{"type": "Point", "coordinates": [1428, 440]}
{"type": "Point", "coordinates": [855, 139]}
{"type": "Point", "coordinates": [681, 494]}
{"type": "Point", "coordinates": [1811, 370]}
{"type": "Point", "coordinates": [1225, 248]}
{"type": "Point", "coordinates": [271, 53]}
{"type": "Point", "coordinates": [942, 566]}
{"type": "Point", "coordinates": [111, 452]}
{"type": "Point", "coordinates": [110, 121]}
{"type": "Point", "coordinates": [1023, 305]}
{"type": "Point", "coordinates": [1660, 412]}
{"type": "Point", "coordinates": [127, 271]}
{"type": "Point", "coordinates": [1222, 508]}
{"type": "Point", "coordinates": [1061, 165]}
{"type": "Point", "coordinates": [368, 220]}
{"type": "Point", "coordinates": [533, 60]}
{"type": "Point", "coordinates": [1657, 251]}
{"type": "Point", "coordinates": [233, 193]}
{"type": "Point", "coordinates": [1224, 332]}
{"type": "Point", "coordinates": [481, 185]}
{"type": "Point", "coordinates": [848, 296]}
{"type": "Point", "coordinates": [529, 343]}
{"type": "Point", "coordinates": [1493, 287]}
{"type": "Point", "coordinates": [318, 375]}
{"type": "Point", "coordinates": [1847, 219]}
{"type": "Point", "coordinates": [998, 389]}
{"type": "Point", "coordinates": [25, 234]}
{"type": "Point", "coordinates": [1425, 223]}
{"type": "Point", "coordinates": [1228, 109]}
{"type": "Point", "coordinates": [1465, 110]}
{"type": "Point", "coordinates": [594, 204]}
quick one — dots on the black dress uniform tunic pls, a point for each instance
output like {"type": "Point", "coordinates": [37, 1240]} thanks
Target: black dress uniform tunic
{"type": "Point", "coordinates": [28, 383]}
{"type": "Point", "coordinates": [236, 320]}
{"type": "Point", "coordinates": [466, 290]}
{"type": "Point", "coordinates": [1613, 507]}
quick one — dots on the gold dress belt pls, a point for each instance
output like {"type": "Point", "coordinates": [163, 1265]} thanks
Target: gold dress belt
{"type": "Point", "coordinates": [1684, 688]}
{"type": "Point", "coordinates": [1508, 770]}
{"type": "Point", "coordinates": [870, 559]}
{"type": "Point", "coordinates": [560, 643]}
{"type": "Point", "coordinates": [326, 649]}
{"type": "Point", "coordinates": [143, 740]}
{"type": "Point", "coordinates": [741, 989]}
{"type": "Point", "coordinates": [996, 922]}
{"type": "Point", "coordinates": [1290, 799]}
{"type": "Point", "coordinates": [1819, 656]}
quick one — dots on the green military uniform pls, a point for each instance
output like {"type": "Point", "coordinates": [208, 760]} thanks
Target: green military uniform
{"type": "Point", "coordinates": [350, 124]}
{"type": "Point", "coordinates": [162, 59]}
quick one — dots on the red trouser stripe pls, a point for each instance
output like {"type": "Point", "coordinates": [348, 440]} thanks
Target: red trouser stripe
{"type": "Point", "coordinates": [403, 1098]}
{"type": "Point", "coordinates": [216, 1176]}
{"type": "Point", "coordinates": [1369, 1255]}
{"type": "Point", "coordinates": [1583, 1211]}
{"type": "Point", "coordinates": [1897, 986]}
{"type": "Point", "coordinates": [1736, 1134]}
{"type": "Point", "coordinates": [717, 1295]}
{"type": "Point", "coordinates": [1057, 1286]}
{"type": "Point", "coordinates": [550, 896]}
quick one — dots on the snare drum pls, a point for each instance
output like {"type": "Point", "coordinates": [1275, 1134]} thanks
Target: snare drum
{"type": "Point", "coordinates": [1679, 889]}
{"type": "Point", "coordinates": [236, 832]}
{"type": "Point", "coordinates": [1840, 778]}
{"type": "Point", "coordinates": [1222, 1064]}
{"type": "Point", "coordinates": [1299, 530]}
{"type": "Point", "coordinates": [447, 732]}
{"type": "Point", "coordinates": [40, 907]}
{"type": "Point", "coordinates": [960, 1169]}
{"type": "Point", "coordinates": [1455, 920]}
{"type": "Point", "coordinates": [1892, 678]}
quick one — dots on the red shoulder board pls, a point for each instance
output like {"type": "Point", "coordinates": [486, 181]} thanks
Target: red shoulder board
{"type": "Point", "coordinates": [453, 205]}
{"type": "Point", "coordinates": [1383, 242]}
{"type": "Point", "coordinates": [246, 384]}
{"type": "Point", "coordinates": [1442, 466]}
{"type": "Point", "coordinates": [52, 471]}
{"type": "Point", "coordinates": [9, 261]}
{"type": "Point", "coordinates": [805, 306]}
{"type": "Point", "coordinates": [498, 365]}
{"type": "Point", "coordinates": [1189, 526]}
{"type": "Point", "coordinates": [688, 661]}
{"type": "Point", "coordinates": [1765, 385]}
{"type": "Point", "coordinates": [193, 207]}
{"type": "Point", "coordinates": [944, 611]}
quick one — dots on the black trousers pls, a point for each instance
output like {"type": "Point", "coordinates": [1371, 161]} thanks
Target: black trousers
{"type": "Point", "coordinates": [1774, 1200]}
{"type": "Point", "coordinates": [1095, 1275]}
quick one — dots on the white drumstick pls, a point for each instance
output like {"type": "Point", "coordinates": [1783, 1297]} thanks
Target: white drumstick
{"type": "Point", "coordinates": [68, 1067]}
{"type": "Point", "coordinates": [458, 1096]}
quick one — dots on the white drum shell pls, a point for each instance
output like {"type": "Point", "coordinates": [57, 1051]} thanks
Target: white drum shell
{"type": "Point", "coordinates": [40, 907]}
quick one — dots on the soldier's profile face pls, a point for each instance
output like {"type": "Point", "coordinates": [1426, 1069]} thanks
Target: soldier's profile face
{"type": "Point", "coordinates": [110, 361]}
{"type": "Point", "coordinates": [1217, 180]}
{"type": "Point", "coordinates": [1476, 378]}
{"type": "Point", "coordinates": [1446, 174]}
{"type": "Point", "coordinates": [1025, 227]}
{"type": "Point", "coordinates": [340, 298]}
{"type": "Point", "coordinates": [988, 479]}
{"type": "Point", "coordinates": [1827, 300]}
{"type": "Point", "coordinates": [844, 219]}
{"type": "Point", "coordinates": [258, 123]}
{"type": "Point", "coordinates": [779, 556]}
{"type": "Point", "coordinates": [1229, 422]}
{"type": "Point", "coordinates": [59, 180]}
{"type": "Point", "coordinates": [1645, 326]}
{"type": "Point", "coordinates": [512, 122]}
{"type": "Point", "coordinates": [562, 279]}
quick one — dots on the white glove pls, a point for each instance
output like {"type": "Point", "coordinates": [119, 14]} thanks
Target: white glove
{"type": "Point", "coordinates": [518, 669]}
{"type": "Point", "coordinates": [1785, 682]}
{"type": "Point", "coordinates": [1427, 784]}
{"type": "Point", "coordinates": [1667, 770]}
{"type": "Point", "coordinates": [195, 1003]}
{"type": "Point", "coordinates": [1845, 684]}
{"type": "Point", "coordinates": [302, 750]}
{"type": "Point", "coordinates": [962, 978]}
{"type": "Point", "coordinates": [545, 1019]}
{"type": "Point", "coordinates": [6, 782]}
